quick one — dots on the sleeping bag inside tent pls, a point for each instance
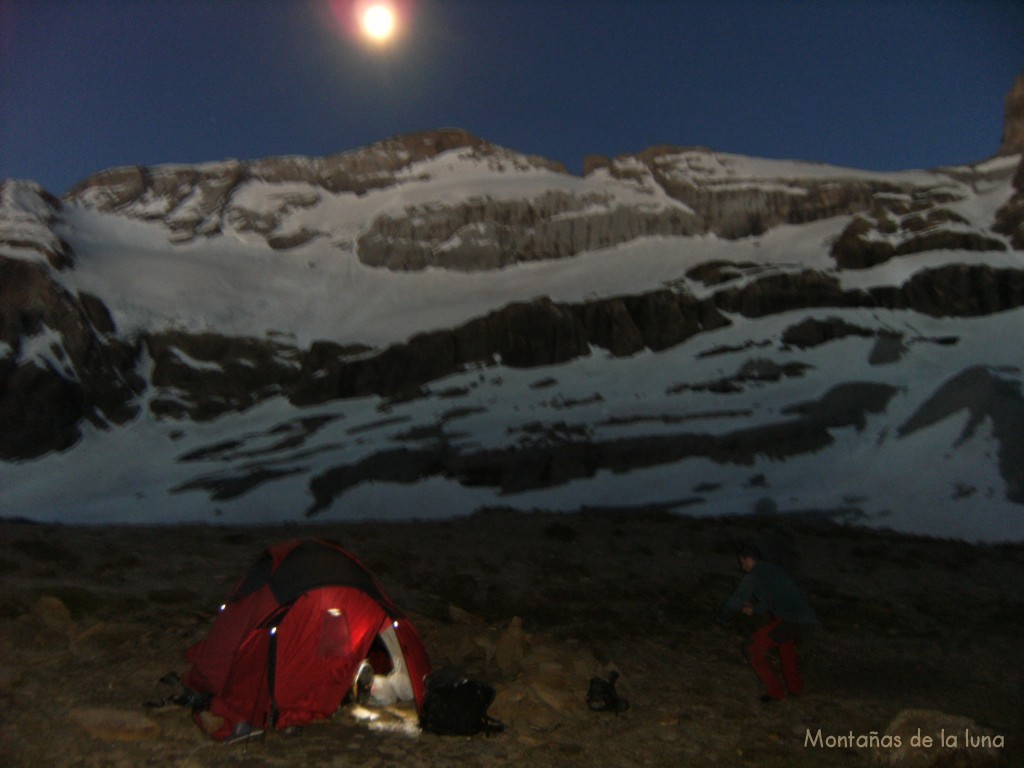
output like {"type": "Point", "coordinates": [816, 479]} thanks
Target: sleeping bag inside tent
{"type": "Point", "coordinates": [289, 642]}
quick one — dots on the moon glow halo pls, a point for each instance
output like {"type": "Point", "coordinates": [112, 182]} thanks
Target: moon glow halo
{"type": "Point", "coordinates": [377, 22]}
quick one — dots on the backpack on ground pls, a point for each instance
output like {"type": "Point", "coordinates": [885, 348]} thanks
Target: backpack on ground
{"type": "Point", "coordinates": [456, 705]}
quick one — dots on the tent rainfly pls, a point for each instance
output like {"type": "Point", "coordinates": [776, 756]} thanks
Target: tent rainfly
{"type": "Point", "coordinates": [304, 622]}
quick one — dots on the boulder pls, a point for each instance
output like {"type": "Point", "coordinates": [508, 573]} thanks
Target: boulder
{"type": "Point", "coordinates": [51, 616]}
{"type": "Point", "coordinates": [550, 687]}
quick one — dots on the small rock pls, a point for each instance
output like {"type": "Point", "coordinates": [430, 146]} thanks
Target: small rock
{"type": "Point", "coordinates": [556, 698]}
{"type": "Point", "coordinates": [53, 615]}
{"type": "Point", "coordinates": [462, 616]}
{"type": "Point", "coordinates": [541, 718]}
{"type": "Point", "coordinates": [210, 722]}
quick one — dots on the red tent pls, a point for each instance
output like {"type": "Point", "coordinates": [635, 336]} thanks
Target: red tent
{"type": "Point", "coordinates": [286, 647]}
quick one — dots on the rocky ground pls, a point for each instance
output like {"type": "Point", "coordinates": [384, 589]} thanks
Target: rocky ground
{"type": "Point", "coordinates": [92, 617]}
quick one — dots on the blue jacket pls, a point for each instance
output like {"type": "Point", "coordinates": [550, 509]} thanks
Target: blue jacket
{"type": "Point", "coordinates": [769, 589]}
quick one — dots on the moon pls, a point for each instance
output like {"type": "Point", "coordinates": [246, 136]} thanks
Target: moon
{"type": "Point", "coordinates": [378, 22]}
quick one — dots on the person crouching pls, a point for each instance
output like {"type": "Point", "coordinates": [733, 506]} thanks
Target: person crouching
{"type": "Point", "coordinates": [768, 593]}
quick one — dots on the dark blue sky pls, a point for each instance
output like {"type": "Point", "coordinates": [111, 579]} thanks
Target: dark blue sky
{"type": "Point", "coordinates": [91, 84]}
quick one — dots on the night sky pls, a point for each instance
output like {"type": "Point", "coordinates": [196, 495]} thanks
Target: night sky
{"type": "Point", "coordinates": [92, 84]}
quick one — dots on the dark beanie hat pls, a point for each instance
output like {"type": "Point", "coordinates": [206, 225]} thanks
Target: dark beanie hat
{"type": "Point", "coordinates": [746, 549]}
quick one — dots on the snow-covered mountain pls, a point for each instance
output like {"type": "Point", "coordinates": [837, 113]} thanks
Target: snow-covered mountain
{"type": "Point", "coordinates": [433, 324]}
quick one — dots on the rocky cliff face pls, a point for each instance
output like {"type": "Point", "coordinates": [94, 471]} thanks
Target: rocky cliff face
{"type": "Point", "coordinates": [943, 244]}
{"type": "Point", "coordinates": [61, 360]}
{"type": "Point", "coordinates": [1010, 218]}
{"type": "Point", "coordinates": [484, 233]}
{"type": "Point", "coordinates": [27, 216]}
{"type": "Point", "coordinates": [1013, 120]}
{"type": "Point", "coordinates": [692, 192]}
{"type": "Point", "coordinates": [732, 201]}
{"type": "Point", "coordinates": [87, 372]}
{"type": "Point", "coordinates": [210, 199]}
{"type": "Point", "coordinates": [663, 192]}
{"type": "Point", "coordinates": [90, 372]}
{"type": "Point", "coordinates": [901, 226]}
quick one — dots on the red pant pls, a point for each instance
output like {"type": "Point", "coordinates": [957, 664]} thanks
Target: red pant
{"type": "Point", "coordinates": [783, 638]}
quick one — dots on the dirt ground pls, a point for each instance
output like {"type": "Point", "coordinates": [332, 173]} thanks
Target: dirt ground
{"type": "Point", "coordinates": [92, 617]}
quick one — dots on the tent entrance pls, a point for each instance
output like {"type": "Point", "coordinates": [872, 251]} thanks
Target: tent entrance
{"type": "Point", "coordinates": [390, 682]}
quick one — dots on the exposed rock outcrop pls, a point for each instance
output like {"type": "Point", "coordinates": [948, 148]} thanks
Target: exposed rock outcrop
{"type": "Point", "coordinates": [660, 192]}
{"type": "Point", "coordinates": [60, 362]}
{"type": "Point", "coordinates": [206, 375]}
{"type": "Point", "coordinates": [735, 205]}
{"type": "Point", "coordinates": [200, 200]}
{"type": "Point", "coordinates": [901, 226]}
{"type": "Point", "coordinates": [531, 466]}
{"type": "Point", "coordinates": [692, 192]}
{"type": "Point", "coordinates": [813, 332]}
{"type": "Point", "coordinates": [483, 233]}
{"type": "Point", "coordinates": [201, 376]}
{"type": "Point", "coordinates": [1013, 119]}
{"type": "Point", "coordinates": [1010, 218]}
{"type": "Point", "coordinates": [521, 335]}
{"type": "Point", "coordinates": [27, 216]}
{"type": "Point", "coordinates": [957, 290]}
{"type": "Point", "coordinates": [81, 370]}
